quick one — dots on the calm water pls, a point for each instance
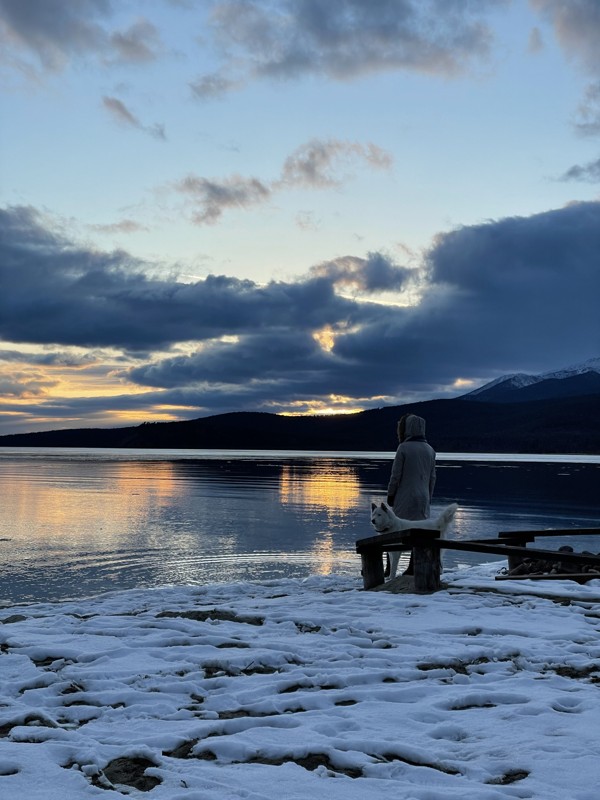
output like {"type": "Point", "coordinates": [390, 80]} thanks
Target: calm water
{"type": "Point", "coordinates": [76, 523]}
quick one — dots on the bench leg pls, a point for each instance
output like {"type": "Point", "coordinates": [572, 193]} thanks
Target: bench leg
{"type": "Point", "coordinates": [426, 565]}
{"type": "Point", "coordinates": [372, 569]}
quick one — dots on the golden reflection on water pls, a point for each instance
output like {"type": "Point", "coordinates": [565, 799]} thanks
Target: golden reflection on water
{"type": "Point", "coordinates": [324, 555]}
{"type": "Point", "coordinates": [51, 504]}
{"type": "Point", "coordinates": [327, 485]}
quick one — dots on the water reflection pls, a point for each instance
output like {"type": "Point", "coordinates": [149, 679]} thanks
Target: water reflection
{"type": "Point", "coordinates": [325, 484]}
{"type": "Point", "coordinates": [84, 523]}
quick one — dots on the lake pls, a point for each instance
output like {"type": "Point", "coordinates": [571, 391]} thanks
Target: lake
{"type": "Point", "coordinates": [76, 523]}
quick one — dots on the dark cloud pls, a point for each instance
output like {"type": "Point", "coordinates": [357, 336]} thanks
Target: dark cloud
{"type": "Point", "coordinates": [55, 292]}
{"type": "Point", "coordinates": [516, 294]}
{"type": "Point", "coordinates": [346, 39]}
{"type": "Point", "coordinates": [376, 273]}
{"type": "Point", "coordinates": [314, 165]}
{"type": "Point", "coordinates": [262, 356]}
{"type": "Point", "coordinates": [52, 29]}
{"type": "Point", "coordinates": [56, 31]}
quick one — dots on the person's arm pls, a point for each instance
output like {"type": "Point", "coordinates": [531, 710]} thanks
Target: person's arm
{"type": "Point", "coordinates": [432, 478]}
{"type": "Point", "coordinates": [396, 476]}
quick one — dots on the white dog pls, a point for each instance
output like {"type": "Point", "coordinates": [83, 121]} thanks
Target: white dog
{"type": "Point", "coordinates": [384, 520]}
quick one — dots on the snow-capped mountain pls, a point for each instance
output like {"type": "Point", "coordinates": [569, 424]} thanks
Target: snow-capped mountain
{"type": "Point", "coordinates": [591, 365]}
{"type": "Point", "coordinates": [579, 379]}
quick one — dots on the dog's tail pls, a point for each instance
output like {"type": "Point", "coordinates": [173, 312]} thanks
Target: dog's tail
{"type": "Point", "coordinates": [446, 517]}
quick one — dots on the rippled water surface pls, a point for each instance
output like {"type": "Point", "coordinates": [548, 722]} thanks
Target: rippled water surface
{"type": "Point", "coordinates": [79, 522]}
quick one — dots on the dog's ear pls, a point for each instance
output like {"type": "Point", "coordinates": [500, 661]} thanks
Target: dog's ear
{"type": "Point", "coordinates": [383, 505]}
{"type": "Point", "coordinates": [373, 506]}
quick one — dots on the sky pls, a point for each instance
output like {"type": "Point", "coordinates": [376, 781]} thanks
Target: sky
{"type": "Point", "coordinates": [291, 206]}
{"type": "Point", "coordinates": [305, 689]}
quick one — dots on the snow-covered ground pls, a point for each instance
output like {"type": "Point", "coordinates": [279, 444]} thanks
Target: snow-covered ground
{"type": "Point", "coordinates": [304, 690]}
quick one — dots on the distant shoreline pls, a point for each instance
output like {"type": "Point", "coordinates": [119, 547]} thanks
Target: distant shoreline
{"type": "Point", "coordinates": [214, 452]}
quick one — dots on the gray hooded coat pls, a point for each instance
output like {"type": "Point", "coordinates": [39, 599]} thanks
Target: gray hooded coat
{"type": "Point", "coordinates": [413, 472]}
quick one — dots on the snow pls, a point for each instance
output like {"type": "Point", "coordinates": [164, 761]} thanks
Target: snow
{"type": "Point", "coordinates": [520, 380]}
{"type": "Point", "coordinates": [591, 365]}
{"type": "Point", "coordinates": [296, 689]}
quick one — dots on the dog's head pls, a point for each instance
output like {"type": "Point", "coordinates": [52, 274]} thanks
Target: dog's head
{"type": "Point", "coordinates": [381, 517]}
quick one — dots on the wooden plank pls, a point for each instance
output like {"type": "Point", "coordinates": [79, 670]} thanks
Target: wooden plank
{"type": "Point", "coordinates": [403, 537]}
{"type": "Point", "coordinates": [383, 540]}
{"type": "Point", "coordinates": [552, 532]}
{"type": "Point", "coordinates": [553, 576]}
{"type": "Point", "coordinates": [507, 549]}
{"type": "Point", "coordinates": [491, 546]}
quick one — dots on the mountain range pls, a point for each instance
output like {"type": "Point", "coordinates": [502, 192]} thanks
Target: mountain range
{"type": "Point", "coordinates": [580, 379]}
{"type": "Point", "coordinates": [557, 412]}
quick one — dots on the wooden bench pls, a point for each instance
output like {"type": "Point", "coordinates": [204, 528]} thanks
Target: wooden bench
{"type": "Point", "coordinates": [426, 545]}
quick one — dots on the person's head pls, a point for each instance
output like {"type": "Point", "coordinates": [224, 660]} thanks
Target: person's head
{"type": "Point", "coordinates": [410, 425]}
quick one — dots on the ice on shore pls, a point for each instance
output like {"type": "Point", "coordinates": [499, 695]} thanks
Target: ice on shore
{"type": "Point", "coordinates": [298, 689]}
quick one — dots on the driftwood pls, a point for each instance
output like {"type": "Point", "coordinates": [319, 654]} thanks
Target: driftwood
{"type": "Point", "coordinates": [543, 567]}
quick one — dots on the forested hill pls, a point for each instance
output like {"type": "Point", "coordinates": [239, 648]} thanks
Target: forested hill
{"type": "Point", "coordinates": [562, 425]}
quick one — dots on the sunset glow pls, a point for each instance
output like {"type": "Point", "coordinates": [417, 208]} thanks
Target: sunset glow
{"type": "Point", "coordinates": [293, 208]}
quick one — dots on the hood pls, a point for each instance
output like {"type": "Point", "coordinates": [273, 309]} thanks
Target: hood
{"type": "Point", "coordinates": [415, 426]}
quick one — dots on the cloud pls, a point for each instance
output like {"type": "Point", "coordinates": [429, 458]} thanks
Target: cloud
{"type": "Point", "coordinates": [53, 30]}
{"type": "Point", "coordinates": [536, 41]}
{"type": "Point", "coordinates": [213, 86]}
{"type": "Point", "coordinates": [577, 28]}
{"type": "Point", "coordinates": [588, 123]}
{"type": "Point", "coordinates": [79, 296]}
{"type": "Point", "coordinates": [121, 114]}
{"type": "Point", "coordinates": [123, 226]}
{"type": "Point", "coordinates": [346, 39]}
{"type": "Point", "coordinates": [506, 295]}
{"type": "Point", "coordinates": [213, 197]}
{"type": "Point", "coordinates": [587, 172]}
{"type": "Point", "coordinates": [51, 33]}
{"type": "Point", "coordinates": [376, 273]}
{"type": "Point", "coordinates": [314, 165]}
{"type": "Point", "coordinates": [53, 358]}
{"type": "Point", "coordinates": [139, 44]}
